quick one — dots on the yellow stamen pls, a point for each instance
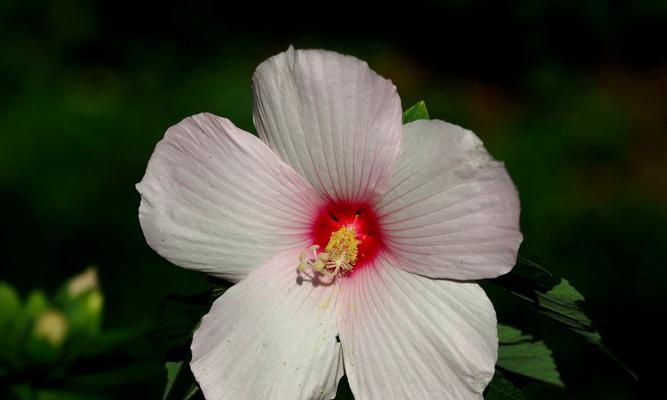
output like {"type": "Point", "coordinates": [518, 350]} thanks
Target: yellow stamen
{"type": "Point", "coordinates": [343, 245]}
{"type": "Point", "coordinates": [341, 253]}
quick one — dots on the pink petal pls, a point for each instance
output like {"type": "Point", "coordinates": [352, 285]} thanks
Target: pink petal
{"type": "Point", "coordinates": [405, 336]}
{"type": "Point", "coordinates": [332, 118]}
{"type": "Point", "coordinates": [217, 199]}
{"type": "Point", "coordinates": [451, 210]}
{"type": "Point", "coordinates": [271, 336]}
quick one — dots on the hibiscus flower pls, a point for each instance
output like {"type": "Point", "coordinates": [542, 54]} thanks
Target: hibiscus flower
{"type": "Point", "coordinates": [352, 239]}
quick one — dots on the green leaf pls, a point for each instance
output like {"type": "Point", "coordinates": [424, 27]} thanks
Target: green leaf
{"type": "Point", "coordinates": [173, 369]}
{"type": "Point", "coordinates": [181, 384]}
{"type": "Point", "coordinates": [502, 389]}
{"type": "Point", "coordinates": [35, 304]}
{"type": "Point", "coordinates": [553, 297]}
{"type": "Point", "coordinates": [84, 313]}
{"type": "Point", "coordinates": [113, 340]}
{"type": "Point", "coordinates": [177, 320]}
{"type": "Point", "coordinates": [564, 303]}
{"type": "Point", "coordinates": [418, 111]}
{"type": "Point", "coordinates": [528, 275]}
{"type": "Point", "coordinates": [521, 354]}
{"type": "Point", "coordinates": [29, 392]}
{"type": "Point", "coordinates": [98, 375]}
{"type": "Point", "coordinates": [10, 304]}
{"type": "Point", "coordinates": [193, 392]}
{"type": "Point", "coordinates": [10, 310]}
{"type": "Point", "coordinates": [510, 335]}
{"type": "Point", "coordinates": [179, 316]}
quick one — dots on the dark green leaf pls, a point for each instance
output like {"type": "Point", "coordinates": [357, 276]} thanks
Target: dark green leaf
{"type": "Point", "coordinates": [521, 354]}
{"type": "Point", "coordinates": [418, 111]}
{"type": "Point", "coordinates": [28, 392]}
{"type": "Point", "coordinates": [10, 304]}
{"type": "Point", "coordinates": [178, 318]}
{"type": "Point", "coordinates": [564, 303]}
{"type": "Point", "coordinates": [553, 297]}
{"type": "Point", "coordinates": [10, 315]}
{"type": "Point", "coordinates": [528, 275]}
{"type": "Point", "coordinates": [181, 384]}
{"type": "Point", "coordinates": [173, 369]}
{"type": "Point", "coordinates": [343, 392]}
{"type": "Point", "coordinates": [194, 392]}
{"type": "Point", "coordinates": [112, 339]}
{"type": "Point", "coordinates": [510, 335]}
{"type": "Point", "coordinates": [106, 377]}
{"type": "Point", "coordinates": [502, 389]}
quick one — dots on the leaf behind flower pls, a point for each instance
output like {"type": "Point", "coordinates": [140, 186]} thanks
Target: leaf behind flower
{"type": "Point", "coordinates": [521, 354]}
{"type": "Point", "coordinates": [553, 297]}
{"type": "Point", "coordinates": [417, 111]}
{"type": "Point", "coordinates": [500, 388]}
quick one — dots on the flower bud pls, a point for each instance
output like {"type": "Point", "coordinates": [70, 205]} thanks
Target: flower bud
{"type": "Point", "coordinates": [51, 326]}
{"type": "Point", "coordinates": [85, 281]}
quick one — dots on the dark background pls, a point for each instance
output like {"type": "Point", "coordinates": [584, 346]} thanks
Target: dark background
{"type": "Point", "coordinates": [571, 95]}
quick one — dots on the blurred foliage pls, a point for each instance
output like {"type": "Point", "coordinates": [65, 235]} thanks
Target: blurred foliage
{"type": "Point", "coordinates": [572, 96]}
{"type": "Point", "coordinates": [44, 333]}
{"type": "Point", "coordinates": [48, 342]}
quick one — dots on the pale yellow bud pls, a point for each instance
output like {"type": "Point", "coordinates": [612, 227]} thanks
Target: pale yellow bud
{"type": "Point", "coordinates": [51, 326]}
{"type": "Point", "coordinates": [83, 282]}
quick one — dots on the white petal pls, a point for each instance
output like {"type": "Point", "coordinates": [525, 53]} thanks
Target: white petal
{"type": "Point", "coordinates": [451, 210]}
{"type": "Point", "coordinates": [217, 199]}
{"type": "Point", "coordinates": [332, 118]}
{"type": "Point", "coordinates": [271, 336]}
{"type": "Point", "coordinates": [405, 336]}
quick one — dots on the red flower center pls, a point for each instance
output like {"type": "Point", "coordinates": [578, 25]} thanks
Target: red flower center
{"type": "Point", "coordinates": [360, 217]}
